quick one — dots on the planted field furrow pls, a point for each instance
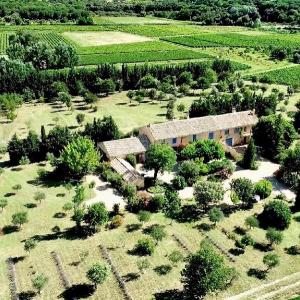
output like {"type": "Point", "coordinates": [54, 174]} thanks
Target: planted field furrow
{"type": "Point", "coordinates": [144, 56]}
{"type": "Point", "coordinates": [236, 40]}
{"type": "Point", "coordinates": [289, 76]}
{"type": "Point", "coordinates": [3, 42]}
{"type": "Point", "coordinates": [54, 39]}
{"type": "Point", "coordinates": [130, 47]}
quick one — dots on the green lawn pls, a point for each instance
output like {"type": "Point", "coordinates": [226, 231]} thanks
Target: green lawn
{"type": "Point", "coordinates": [127, 115]}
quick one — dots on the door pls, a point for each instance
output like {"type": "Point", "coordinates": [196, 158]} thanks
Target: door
{"type": "Point", "coordinates": [229, 142]}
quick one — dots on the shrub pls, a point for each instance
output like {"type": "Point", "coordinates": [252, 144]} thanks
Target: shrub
{"type": "Point", "coordinates": [179, 183]}
{"type": "Point", "coordinates": [175, 257]}
{"type": "Point", "coordinates": [116, 221]}
{"type": "Point", "coordinates": [244, 189]}
{"type": "Point", "coordinates": [131, 159]}
{"type": "Point", "coordinates": [247, 240]}
{"type": "Point", "coordinates": [293, 250]}
{"type": "Point", "coordinates": [274, 236]}
{"type": "Point", "coordinates": [157, 203]}
{"type": "Point", "coordinates": [157, 232]}
{"type": "Point", "coordinates": [144, 246]}
{"type": "Point", "coordinates": [263, 188]}
{"type": "Point", "coordinates": [251, 222]}
{"type": "Point", "coordinates": [144, 216]}
{"type": "Point", "coordinates": [276, 214]}
{"type": "Point", "coordinates": [163, 269]}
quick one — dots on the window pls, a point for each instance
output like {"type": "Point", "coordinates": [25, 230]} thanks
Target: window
{"type": "Point", "coordinates": [226, 131]}
{"type": "Point", "coordinates": [194, 137]}
{"type": "Point", "coordinates": [237, 130]}
{"type": "Point", "coordinates": [174, 141]}
{"type": "Point", "coordinates": [211, 135]}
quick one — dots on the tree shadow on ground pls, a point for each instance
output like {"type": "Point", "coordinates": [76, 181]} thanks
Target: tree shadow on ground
{"type": "Point", "coordinates": [26, 295]}
{"type": "Point", "coordinates": [257, 273]}
{"type": "Point", "coordinates": [72, 233]}
{"type": "Point", "coordinates": [30, 205]}
{"type": "Point", "coordinates": [59, 215]}
{"type": "Point", "coordinates": [131, 277]}
{"type": "Point", "coordinates": [8, 229]}
{"type": "Point", "coordinates": [263, 247]}
{"type": "Point", "coordinates": [296, 218]}
{"type": "Point", "coordinates": [133, 227]}
{"type": "Point", "coordinates": [239, 230]}
{"type": "Point", "coordinates": [79, 291]}
{"type": "Point", "coordinates": [236, 251]}
{"type": "Point", "coordinates": [16, 259]}
{"type": "Point", "coordinates": [169, 295]}
{"type": "Point", "coordinates": [189, 213]}
{"type": "Point", "coordinates": [7, 195]}
{"type": "Point", "coordinates": [204, 227]}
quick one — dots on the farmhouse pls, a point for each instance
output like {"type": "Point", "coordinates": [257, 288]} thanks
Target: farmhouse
{"type": "Point", "coordinates": [231, 129]}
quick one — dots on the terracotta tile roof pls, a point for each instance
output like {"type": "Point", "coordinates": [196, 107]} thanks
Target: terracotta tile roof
{"type": "Point", "coordinates": [122, 147]}
{"type": "Point", "coordinates": [181, 128]}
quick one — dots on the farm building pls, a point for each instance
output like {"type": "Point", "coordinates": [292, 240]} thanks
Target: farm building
{"type": "Point", "coordinates": [231, 129]}
{"type": "Point", "coordinates": [123, 147]}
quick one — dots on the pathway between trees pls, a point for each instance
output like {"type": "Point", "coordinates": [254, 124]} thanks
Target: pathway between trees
{"type": "Point", "coordinates": [264, 291]}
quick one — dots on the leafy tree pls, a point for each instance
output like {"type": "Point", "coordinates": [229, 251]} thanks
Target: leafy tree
{"type": "Point", "coordinates": [144, 246]}
{"type": "Point", "coordinates": [157, 232]}
{"type": "Point", "coordinates": [205, 272]}
{"type": "Point", "coordinates": [40, 55]}
{"type": "Point", "coordinates": [20, 218]}
{"type": "Point", "coordinates": [148, 81]}
{"type": "Point", "coordinates": [251, 222]}
{"type": "Point", "coordinates": [215, 215]}
{"type": "Point", "coordinates": [97, 215]}
{"type": "Point", "coordinates": [107, 86]}
{"type": "Point", "coordinates": [3, 204]}
{"type": "Point", "coordinates": [144, 216]}
{"type": "Point", "coordinates": [78, 216]}
{"type": "Point", "coordinates": [104, 129]}
{"type": "Point", "coordinates": [39, 196]}
{"type": "Point", "coordinates": [67, 206]}
{"type": "Point", "coordinates": [89, 97]}
{"type": "Point", "coordinates": [160, 157]}
{"type": "Point", "coordinates": [80, 157]}
{"type": "Point", "coordinates": [208, 149]}
{"type": "Point", "coordinates": [142, 265]}
{"type": "Point", "coordinates": [274, 236]}
{"type": "Point", "coordinates": [175, 257]}
{"type": "Point", "coordinates": [65, 98]}
{"type": "Point", "coordinates": [24, 161]}
{"type": "Point", "coordinates": [263, 188]}
{"type": "Point", "coordinates": [276, 214]}
{"type": "Point", "coordinates": [172, 205]}
{"type": "Point", "coordinates": [250, 156]}
{"type": "Point", "coordinates": [29, 245]}
{"type": "Point", "coordinates": [207, 193]}
{"type": "Point", "coordinates": [80, 118]}
{"type": "Point", "coordinates": [97, 274]}
{"type": "Point", "coordinates": [39, 282]}
{"type": "Point", "coordinates": [247, 240]}
{"type": "Point", "coordinates": [244, 189]}
{"type": "Point", "coordinates": [57, 139]}
{"type": "Point", "coordinates": [65, 56]}
{"type": "Point", "coordinates": [273, 134]}
{"type": "Point", "coordinates": [271, 260]}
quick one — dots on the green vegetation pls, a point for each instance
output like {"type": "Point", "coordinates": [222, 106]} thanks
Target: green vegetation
{"type": "Point", "coordinates": [237, 40]}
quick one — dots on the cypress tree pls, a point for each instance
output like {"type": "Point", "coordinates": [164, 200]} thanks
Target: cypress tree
{"type": "Point", "coordinates": [250, 156]}
{"type": "Point", "coordinates": [297, 200]}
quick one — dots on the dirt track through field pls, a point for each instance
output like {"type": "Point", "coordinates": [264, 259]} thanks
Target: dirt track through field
{"type": "Point", "coordinates": [250, 294]}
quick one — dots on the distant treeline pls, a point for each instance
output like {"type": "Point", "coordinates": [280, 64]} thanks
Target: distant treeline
{"type": "Point", "coordinates": [17, 77]}
{"type": "Point", "coordinates": [208, 12]}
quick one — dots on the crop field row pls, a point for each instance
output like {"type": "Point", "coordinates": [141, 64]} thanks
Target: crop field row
{"type": "Point", "coordinates": [130, 47]}
{"type": "Point", "coordinates": [237, 40]}
{"type": "Point", "coordinates": [143, 56]}
{"type": "Point", "coordinates": [53, 38]}
{"type": "Point", "coordinates": [3, 42]}
{"type": "Point", "coordinates": [290, 76]}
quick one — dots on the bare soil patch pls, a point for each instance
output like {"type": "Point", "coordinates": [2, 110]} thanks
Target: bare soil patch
{"type": "Point", "coordinates": [94, 38]}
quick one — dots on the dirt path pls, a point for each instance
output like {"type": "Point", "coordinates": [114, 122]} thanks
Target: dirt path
{"type": "Point", "coordinates": [250, 294]}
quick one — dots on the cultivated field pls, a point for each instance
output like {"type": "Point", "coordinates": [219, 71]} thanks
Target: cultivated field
{"type": "Point", "coordinates": [138, 39]}
{"type": "Point", "coordinates": [86, 39]}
